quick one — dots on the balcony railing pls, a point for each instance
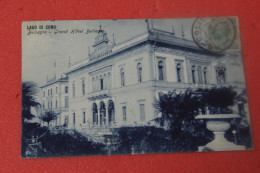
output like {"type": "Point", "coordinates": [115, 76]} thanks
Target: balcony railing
{"type": "Point", "coordinates": [99, 94]}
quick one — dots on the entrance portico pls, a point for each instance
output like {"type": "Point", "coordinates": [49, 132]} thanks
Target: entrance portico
{"type": "Point", "coordinates": [103, 111]}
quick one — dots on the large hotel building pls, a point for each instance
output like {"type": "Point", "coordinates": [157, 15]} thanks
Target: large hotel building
{"type": "Point", "coordinates": [117, 84]}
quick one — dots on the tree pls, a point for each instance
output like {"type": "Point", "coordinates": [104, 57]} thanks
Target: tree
{"type": "Point", "coordinates": [29, 92]}
{"type": "Point", "coordinates": [220, 99]}
{"type": "Point", "coordinates": [48, 116]}
{"type": "Point", "coordinates": [177, 107]}
{"type": "Point", "coordinates": [179, 111]}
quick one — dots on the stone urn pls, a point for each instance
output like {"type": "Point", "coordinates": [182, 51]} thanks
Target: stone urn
{"type": "Point", "coordinates": [219, 124]}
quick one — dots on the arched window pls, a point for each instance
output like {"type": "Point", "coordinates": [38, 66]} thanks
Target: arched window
{"type": "Point", "coordinates": [205, 75]}
{"type": "Point", "coordinates": [161, 70]}
{"type": "Point", "coordinates": [73, 90]}
{"type": "Point", "coordinates": [179, 75]}
{"type": "Point", "coordinates": [122, 73]}
{"type": "Point", "coordinates": [102, 113]}
{"type": "Point", "coordinates": [200, 74]}
{"type": "Point", "coordinates": [139, 72]}
{"type": "Point", "coordinates": [193, 71]}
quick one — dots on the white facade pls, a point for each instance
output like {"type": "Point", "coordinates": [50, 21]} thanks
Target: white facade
{"type": "Point", "coordinates": [118, 83]}
{"type": "Point", "coordinates": [54, 96]}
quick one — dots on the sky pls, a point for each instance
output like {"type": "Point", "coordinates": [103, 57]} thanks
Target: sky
{"type": "Point", "coordinates": [39, 51]}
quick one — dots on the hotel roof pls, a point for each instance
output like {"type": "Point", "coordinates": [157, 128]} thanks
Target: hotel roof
{"type": "Point", "coordinates": [153, 35]}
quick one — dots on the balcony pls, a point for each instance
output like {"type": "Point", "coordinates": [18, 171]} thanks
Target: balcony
{"type": "Point", "coordinates": [99, 94]}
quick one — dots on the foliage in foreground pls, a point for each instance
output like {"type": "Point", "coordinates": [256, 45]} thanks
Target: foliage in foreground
{"type": "Point", "coordinates": [69, 145]}
{"type": "Point", "coordinates": [150, 139]}
{"type": "Point", "coordinates": [219, 100]}
{"type": "Point", "coordinates": [179, 111]}
{"type": "Point", "coordinates": [176, 108]}
{"type": "Point", "coordinates": [29, 91]}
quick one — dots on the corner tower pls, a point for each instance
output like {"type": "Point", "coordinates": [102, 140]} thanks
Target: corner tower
{"type": "Point", "coordinates": [101, 39]}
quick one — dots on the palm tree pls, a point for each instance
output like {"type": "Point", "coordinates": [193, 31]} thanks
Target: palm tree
{"type": "Point", "coordinates": [29, 92]}
{"type": "Point", "coordinates": [178, 111]}
{"type": "Point", "coordinates": [48, 116]}
{"type": "Point", "coordinates": [219, 100]}
{"type": "Point", "coordinates": [177, 107]}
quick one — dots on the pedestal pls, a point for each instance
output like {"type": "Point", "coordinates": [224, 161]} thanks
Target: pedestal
{"type": "Point", "coordinates": [219, 124]}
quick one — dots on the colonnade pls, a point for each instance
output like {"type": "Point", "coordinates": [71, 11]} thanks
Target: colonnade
{"type": "Point", "coordinates": [103, 112]}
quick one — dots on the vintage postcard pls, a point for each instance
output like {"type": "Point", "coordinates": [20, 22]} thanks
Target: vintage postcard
{"type": "Point", "coordinates": [108, 87]}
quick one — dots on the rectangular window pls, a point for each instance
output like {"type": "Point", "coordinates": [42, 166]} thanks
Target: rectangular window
{"type": "Point", "coordinates": [51, 92]}
{"type": "Point", "coordinates": [73, 90]}
{"type": "Point", "coordinates": [179, 70]}
{"type": "Point", "coordinates": [124, 113]}
{"type": "Point", "coordinates": [74, 118]}
{"type": "Point", "coordinates": [142, 112]}
{"type": "Point", "coordinates": [84, 118]}
{"type": "Point", "coordinates": [83, 87]}
{"type": "Point", "coordinates": [56, 103]}
{"type": "Point", "coordinates": [43, 93]}
{"type": "Point", "coordinates": [66, 89]}
{"type": "Point", "coordinates": [66, 121]}
{"type": "Point", "coordinates": [161, 70]}
{"type": "Point", "coordinates": [56, 90]}
{"type": "Point", "coordinates": [66, 102]}
{"type": "Point", "coordinates": [48, 92]}
{"type": "Point", "coordinates": [122, 73]}
{"type": "Point", "coordinates": [51, 104]}
{"type": "Point", "coordinates": [101, 84]}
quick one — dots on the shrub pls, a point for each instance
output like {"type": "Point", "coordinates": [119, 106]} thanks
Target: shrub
{"type": "Point", "coordinates": [150, 139]}
{"type": "Point", "coordinates": [68, 145]}
{"type": "Point", "coordinates": [146, 139]}
{"type": "Point", "coordinates": [219, 100]}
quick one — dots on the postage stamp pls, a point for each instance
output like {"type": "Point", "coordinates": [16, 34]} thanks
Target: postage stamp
{"type": "Point", "coordinates": [214, 34]}
{"type": "Point", "coordinates": [107, 87]}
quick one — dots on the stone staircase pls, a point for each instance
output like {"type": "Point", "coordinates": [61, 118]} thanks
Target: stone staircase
{"type": "Point", "coordinates": [97, 134]}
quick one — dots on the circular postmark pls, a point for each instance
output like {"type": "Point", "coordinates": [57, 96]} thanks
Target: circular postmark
{"type": "Point", "coordinates": [213, 34]}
